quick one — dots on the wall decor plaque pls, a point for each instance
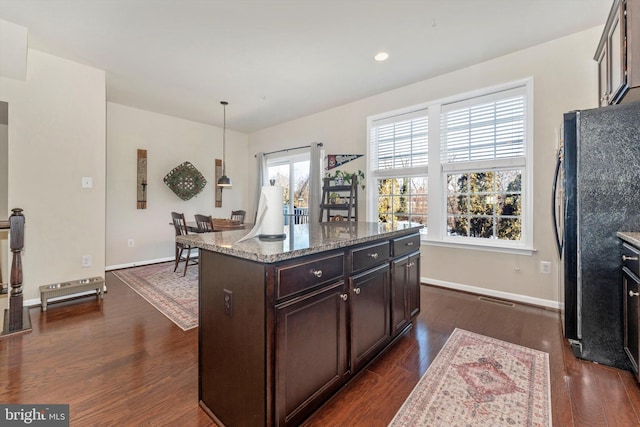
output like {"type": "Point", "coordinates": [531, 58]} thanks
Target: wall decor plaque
{"type": "Point", "coordinates": [185, 181]}
{"type": "Point", "coordinates": [141, 187]}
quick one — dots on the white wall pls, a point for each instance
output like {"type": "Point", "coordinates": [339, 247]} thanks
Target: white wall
{"type": "Point", "coordinates": [565, 78]}
{"type": "Point", "coordinates": [56, 137]}
{"type": "Point", "coordinates": [169, 141]}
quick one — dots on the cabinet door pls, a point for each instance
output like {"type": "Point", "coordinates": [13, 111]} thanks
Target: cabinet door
{"type": "Point", "coordinates": [616, 47]}
{"type": "Point", "coordinates": [405, 291]}
{"type": "Point", "coordinates": [413, 285]}
{"type": "Point", "coordinates": [311, 352]}
{"type": "Point", "coordinates": [370, 307]}
{"type": "Point", "coordinates": [631, 307]}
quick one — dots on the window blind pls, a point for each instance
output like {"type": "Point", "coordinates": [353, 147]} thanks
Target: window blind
{"type": "Point", "coordinates": [488, 129]}
{"type": "Point", "coordinates": [401, 143]}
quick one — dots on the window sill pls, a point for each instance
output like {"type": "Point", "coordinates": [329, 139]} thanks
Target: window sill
{"type": "Point", "coordinates": [523, 250]}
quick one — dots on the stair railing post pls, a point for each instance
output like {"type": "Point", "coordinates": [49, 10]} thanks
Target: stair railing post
{"type": "Point", "coordinates": [16, 224]}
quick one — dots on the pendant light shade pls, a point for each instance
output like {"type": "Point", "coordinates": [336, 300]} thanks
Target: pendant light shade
{"type": "Point", "coordinates": [224, 180]}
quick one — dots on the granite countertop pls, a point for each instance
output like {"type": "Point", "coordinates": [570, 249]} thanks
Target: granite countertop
{"type": "Point", "coordinates": [302, 239]}
{"type": "Point", "coordinates": [632, 237]}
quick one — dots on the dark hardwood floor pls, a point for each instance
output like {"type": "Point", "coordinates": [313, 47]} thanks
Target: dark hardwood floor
{"type": "Point", "coordinates": [121, 362]}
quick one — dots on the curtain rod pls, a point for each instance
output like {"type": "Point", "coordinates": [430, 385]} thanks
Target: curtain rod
{"type": "Point", "coordinates": [288, 149]}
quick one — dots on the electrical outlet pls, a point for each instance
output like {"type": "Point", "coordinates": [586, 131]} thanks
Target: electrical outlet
{"type": "Point", "coordinates": [545, 267]}
{"type": "Point", "coordinates": [87, 182]}
{"type": "Point", "coordinates": [86, 260]}
{"type": "Point", "coordinates": [228, 302]}
{"type": "Point", "coordinates": [131, 243]}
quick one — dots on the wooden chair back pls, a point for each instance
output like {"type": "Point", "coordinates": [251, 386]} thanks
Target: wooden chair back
{"type": "Point", "coordinates": [238, 216]}
{"type": "Point", "coordinates": [179, 223]}
{"type": "Point", "coordinates": [204, 223]}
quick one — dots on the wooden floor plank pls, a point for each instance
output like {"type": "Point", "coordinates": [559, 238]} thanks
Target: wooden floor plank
{"type": "Point", "coordinates": [121, 362]}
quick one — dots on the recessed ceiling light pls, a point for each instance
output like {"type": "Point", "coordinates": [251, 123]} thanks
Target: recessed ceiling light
{"type": "Point", "coordinates": [381, 56]}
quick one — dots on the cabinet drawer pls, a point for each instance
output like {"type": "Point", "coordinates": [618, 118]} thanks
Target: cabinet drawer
{"type": "Point", "coordinates": [297, 277]}
{"type": "Point", "coordinates": [369, 256]}
{"type": "Point", "coordinates": [630, 258]}
{"type": "Point", "coordinates": [405, 245]}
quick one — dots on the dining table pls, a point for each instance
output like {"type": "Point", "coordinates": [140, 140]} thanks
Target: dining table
{"type": "Point", "coordinates": [193, 227]}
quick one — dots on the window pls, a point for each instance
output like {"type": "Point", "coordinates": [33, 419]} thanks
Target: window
{"type": "Point", "coordinates": [399, 167]}
{"type": "Point", "coordinates": [467, 178]}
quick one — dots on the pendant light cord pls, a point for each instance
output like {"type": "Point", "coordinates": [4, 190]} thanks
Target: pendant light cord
{"type": "Point", "coordinates": [224, 139]}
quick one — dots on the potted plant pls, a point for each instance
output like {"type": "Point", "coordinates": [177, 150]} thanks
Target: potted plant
{"type": "Point", "coordinates": [333, 198]}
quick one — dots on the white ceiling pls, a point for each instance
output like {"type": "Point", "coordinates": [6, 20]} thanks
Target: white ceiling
{"type": "Point", "coordinates": [275, 61]}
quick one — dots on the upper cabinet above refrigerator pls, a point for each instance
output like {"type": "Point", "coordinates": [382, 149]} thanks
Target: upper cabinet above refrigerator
{"type": "Point", "coordinates": [618, 55]}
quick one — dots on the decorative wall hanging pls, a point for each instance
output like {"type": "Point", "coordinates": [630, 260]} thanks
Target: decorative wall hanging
{"type": "Point", "coordinates": [217, 188]}
{"type": "Point", "coordinates": [335, 160]}
{"type": "Point", "coordinates": [185, 180]}
{"type": "Point", "coordinates": [142, 179]}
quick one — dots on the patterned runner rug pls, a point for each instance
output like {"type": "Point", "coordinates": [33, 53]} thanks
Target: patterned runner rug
{"type": "Point", "coordinates": [172, 294]}
{"type": "Point", "coordinates": [480, 381]}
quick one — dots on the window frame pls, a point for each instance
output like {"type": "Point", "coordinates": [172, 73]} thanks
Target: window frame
{"type": "Point", "coordinates": [374, 174]}
{"type": "Point", "coordinates": [436, 232]}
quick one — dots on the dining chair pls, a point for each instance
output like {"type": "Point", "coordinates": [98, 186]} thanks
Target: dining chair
{"type": "Point", "coordinates": [204, 223]}
{"type": "Point", "coordinates": [180, 224]}
{"type": "Point", "coordinates": [238, 216]}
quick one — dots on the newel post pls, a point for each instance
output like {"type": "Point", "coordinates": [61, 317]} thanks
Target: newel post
{"type": "Point", "coordinates": [17, 320]}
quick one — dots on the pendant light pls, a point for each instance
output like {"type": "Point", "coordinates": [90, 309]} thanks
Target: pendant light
{"type": "Point", "coordinates": [224, 180]}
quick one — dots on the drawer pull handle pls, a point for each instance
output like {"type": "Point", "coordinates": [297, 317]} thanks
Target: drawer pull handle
{"type": "Point", "coordinates": [373, 255]}
{"type": "Point", "coordinates": [633, 294]}
{"type": "Point", "coordinates": [344, 297]}
{"type": "Point", "coordinates": [629, 258]}
{"type": "Point", "coordinates": [317, 273]}
{"type": "Point", "coordinates": [409, 243]}
{"type": "Point", "coordinates": [357, 291]}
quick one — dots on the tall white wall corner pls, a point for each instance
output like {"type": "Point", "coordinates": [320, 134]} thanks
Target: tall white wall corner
{"type": "Point", "coordinates": [13, 51]}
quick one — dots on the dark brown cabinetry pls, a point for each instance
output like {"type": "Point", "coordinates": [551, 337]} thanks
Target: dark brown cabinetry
{"type": "Point", "coordinates": [311, 348]}
{"type": "Point", "coordinates": [369, 315]}
{"type": "Point", "coordinates": [405, 291]}
{"type": "Point", "coordinates": [618, 54]}
{"type": "Point", "coordinates": [631, 305]}
{"type": "Point", "coordinates": [278, 339]}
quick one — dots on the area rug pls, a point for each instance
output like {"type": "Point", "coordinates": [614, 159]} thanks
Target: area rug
{"type": "Point", "coordinates": [172, 294]}
{"type": "Point", "coordinates": [480, 381]}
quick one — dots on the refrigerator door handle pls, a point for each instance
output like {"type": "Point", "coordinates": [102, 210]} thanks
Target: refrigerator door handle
{"type": "Point", "coordinates": [554, 190]}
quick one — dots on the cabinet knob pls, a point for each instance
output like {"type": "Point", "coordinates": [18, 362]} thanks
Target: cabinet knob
{"type": "Point", "coordinates": [409, 243]}
{"type": "Point", "coordinates": [629, 258]}
{"type": "Point", "coordinates": [411, 264]}
{"type": "Point", "coordinates": [357, 291]}
{"type": "Point", "coordinates": [317, 273]}
{"type": "Point", "coordinates": [374, 255]}
{"type": "Point", "coordinates": [633, 294]}
{"type": "Point", "coordinates": [344, 297]}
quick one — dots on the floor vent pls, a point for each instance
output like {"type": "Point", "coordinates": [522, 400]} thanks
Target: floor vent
{"type": "Point", "coordinates": [497, 301]}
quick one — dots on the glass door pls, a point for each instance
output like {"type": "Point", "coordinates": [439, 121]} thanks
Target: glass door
{"type": "Point", "coordinates": [291, 172]}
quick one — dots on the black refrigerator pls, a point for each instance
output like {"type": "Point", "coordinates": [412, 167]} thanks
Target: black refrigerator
{"type": "Point", "coordinates": [596, 192]}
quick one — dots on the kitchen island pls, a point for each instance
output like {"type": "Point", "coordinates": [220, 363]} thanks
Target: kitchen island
{"type": "Point", "coordinates": [284, 324]}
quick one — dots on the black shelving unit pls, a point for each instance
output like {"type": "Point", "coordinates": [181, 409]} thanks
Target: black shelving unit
{"type": "Point", "coordinates": [343, 209]}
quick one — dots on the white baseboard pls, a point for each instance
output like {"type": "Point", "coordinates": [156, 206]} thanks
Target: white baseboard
{"type": "Point", "coordinates": [137, 264]}
{"type": "Point", "coordinates": [491, 293]}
